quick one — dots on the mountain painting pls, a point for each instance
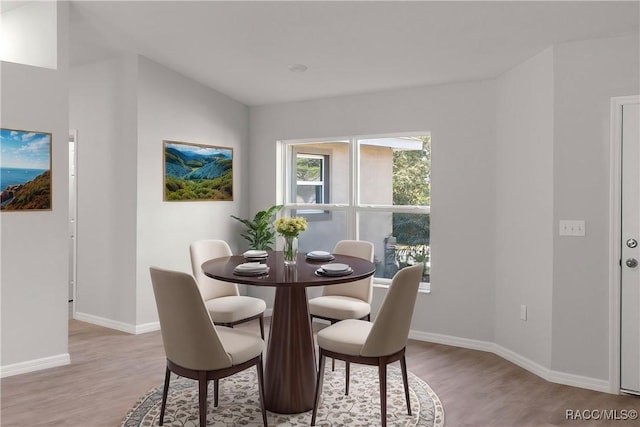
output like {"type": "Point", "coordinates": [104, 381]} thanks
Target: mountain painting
{"type": "Point", "coordinates": [25, 170]}
{"type": "Point", "coordinates": [194, 172]}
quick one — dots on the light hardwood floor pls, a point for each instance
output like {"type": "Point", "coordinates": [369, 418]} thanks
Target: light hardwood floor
{"type": "Point", "coordinates": [109, 370]}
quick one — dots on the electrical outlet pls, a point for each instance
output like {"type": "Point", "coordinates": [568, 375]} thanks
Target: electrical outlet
{"type": "Point", "coordinates": [523, 312]}
{"type": "Point", "coordinates": [572, 227]}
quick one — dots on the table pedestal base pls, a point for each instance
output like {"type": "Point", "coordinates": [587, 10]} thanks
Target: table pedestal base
{"type": "Point", "coordinates": [290, 368]}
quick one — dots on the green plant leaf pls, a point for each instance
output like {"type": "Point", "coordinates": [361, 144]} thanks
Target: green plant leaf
{"type": "Point", "coordinates": [260, 234]}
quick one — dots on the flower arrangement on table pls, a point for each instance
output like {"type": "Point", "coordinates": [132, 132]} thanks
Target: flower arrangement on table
{"type": "Point", "coordinates": [290, 229]}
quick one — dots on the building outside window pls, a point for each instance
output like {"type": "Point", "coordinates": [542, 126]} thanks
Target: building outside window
{"type": "Point", "coordinates": [312, 183]}
{"type": "Point", "coordinates": [367, 188]}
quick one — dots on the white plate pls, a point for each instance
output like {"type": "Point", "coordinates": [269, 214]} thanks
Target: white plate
{"type": "Point", "coordinates": [321, 272]}
{"type": "Point", "coordinates": [318, 254]}
{"type": "Point", "coordinates": [249, 258]}
{"type": "Point", "coordinates": [251, 266]}
{"type": "Point", "coordinates": [335, 267]}
{"type": "Point", "coordinates": [255, 254]}
{"type": "Point", "coordinates": [324, 258]}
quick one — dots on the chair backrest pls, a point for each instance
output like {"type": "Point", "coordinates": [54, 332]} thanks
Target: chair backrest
{"type": "Point", "coordinates": [390, 329]}
{"type": "Point", "coordinates": [204, 250]}
{"type": "Point", "coordinates": [188, 333]}
{"type": "Point", "coordinates": [361, 289]}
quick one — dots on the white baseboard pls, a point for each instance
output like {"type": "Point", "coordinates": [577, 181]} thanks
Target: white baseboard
{"type": "Point", "coordinates": [147, 327]}
{"type": "Point", "coordinates": [451, 340]}
{"type": "Point", "coordinates": [127, 327]}
{"type": "Point", "coordinates": [523, 362]}
{"type": "Point", "coordinates": [35, 365]}
{"type": "Point", "coordinates": [517, 359]}
{"type": "Point", "coordinates": [580, 381]}
{"type": "Point", "coordinates": [119, 326]}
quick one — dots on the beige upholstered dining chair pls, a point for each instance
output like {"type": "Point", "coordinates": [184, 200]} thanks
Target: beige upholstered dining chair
{"type": "Point", "coordinates": [195, 348]}
{"type": "Point", "coordinates": [378, 343]}
{"type": "Point", "coordinates": [223, 300]}
{"type": "Point", "coordinates": [347, 300]}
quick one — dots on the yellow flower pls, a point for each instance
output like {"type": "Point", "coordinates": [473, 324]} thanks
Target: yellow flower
{"type": "Point", "coordinates": [290, 226]}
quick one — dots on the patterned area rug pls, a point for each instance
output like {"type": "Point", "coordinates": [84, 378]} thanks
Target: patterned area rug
{"type": "Point", "coordinates": [239, 403]}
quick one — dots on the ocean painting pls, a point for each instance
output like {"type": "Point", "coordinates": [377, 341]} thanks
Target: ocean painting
{"type": "Point", "coordinates": [195, 172]}
{"type": "Point", "coordinates": [25, 170]}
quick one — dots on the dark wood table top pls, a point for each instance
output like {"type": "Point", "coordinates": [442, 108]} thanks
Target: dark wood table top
{"type": "Point", "coordinates": [301, 274]}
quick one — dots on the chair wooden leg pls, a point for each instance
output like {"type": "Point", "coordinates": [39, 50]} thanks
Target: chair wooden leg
{"type": "Point", "coordinates": [318, 387]}
{"type": "Point", "coordinates": [405, 380]}
{"type": "Point", "coordinates": [261, 389]}
{"type": "Point", "coordinates": [216, 387]}
{"type": "Point", "coordinates": [261, 327]}
{"type": "Point", "coordinates": [382, 374]}
{"type": "Point", "coordinates": [165, 391]}
{"type": "Point", "coordinates": [202, 397]}
{"type": "Point", "coordinates": [347, 371]}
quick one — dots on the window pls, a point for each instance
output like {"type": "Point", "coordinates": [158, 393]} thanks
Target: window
{"type": "Point", "coordinates": [310, 178]}
{"type": "Point", "coordinates": [311, 185]}
{"type": "Point", "coordinates": [374, 188]}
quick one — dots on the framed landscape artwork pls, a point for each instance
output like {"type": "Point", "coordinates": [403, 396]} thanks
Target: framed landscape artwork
{"type": "Point", "coordinates": [196, 172]}
{"type": "Point", "coordinates": [25, 170]}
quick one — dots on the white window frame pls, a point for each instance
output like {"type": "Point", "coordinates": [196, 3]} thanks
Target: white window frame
{"type": "Point", "coordinates": [352, 209]}
{"type": "Point", "coordinates": [325, 160]}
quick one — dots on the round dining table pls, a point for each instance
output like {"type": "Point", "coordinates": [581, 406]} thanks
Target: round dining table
{"type": "Point", "coordinates": [290, 365]}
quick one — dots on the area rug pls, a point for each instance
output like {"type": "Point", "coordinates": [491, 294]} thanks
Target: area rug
{"type": "Point", "coordinates": [239, 403]}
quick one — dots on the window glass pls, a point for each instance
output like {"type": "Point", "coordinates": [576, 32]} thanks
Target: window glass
{"type": "Point", "coordinates": [395, 171]}
{"type": "Point", "coordinates": [399, 239]}
{"type": "Point", "coordinates": [322, 235]}
{"type": "Point", "coordinates": [309, 167]}
{"type": "Point", "coordinates": [310, 179]}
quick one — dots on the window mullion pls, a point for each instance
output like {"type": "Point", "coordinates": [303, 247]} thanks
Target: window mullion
{"type": "Point", "coordinates": [396, 208]}
{"type": "Point", "coordinates": [289, 156]}
{"type": "Point", "coordinates": [352, 215]}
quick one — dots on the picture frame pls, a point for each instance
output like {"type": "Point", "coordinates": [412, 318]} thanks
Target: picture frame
{"type": "Point", "coordinates": [196, 172]}
{"type": "Point", "coordinates": [25, 170]}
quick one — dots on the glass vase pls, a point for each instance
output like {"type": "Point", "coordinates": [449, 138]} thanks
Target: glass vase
{"type": "Point", "coordinates": [290, 250]}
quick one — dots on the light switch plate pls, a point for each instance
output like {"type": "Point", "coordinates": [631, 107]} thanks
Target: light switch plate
{"type": "Point", "coordinates": [572, 227]}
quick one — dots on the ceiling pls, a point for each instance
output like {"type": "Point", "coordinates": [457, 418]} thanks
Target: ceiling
{"type": "Point", "coordinates": [245, 49]}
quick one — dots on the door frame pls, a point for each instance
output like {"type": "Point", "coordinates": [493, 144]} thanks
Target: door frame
{"type": "Point", "coordinates": [73, 212]}
{"type": "Point", "coordinates": [615, 237]}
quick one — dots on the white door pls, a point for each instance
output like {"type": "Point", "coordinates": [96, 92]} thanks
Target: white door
{"type": "Point", "coordinates": [630, 251]}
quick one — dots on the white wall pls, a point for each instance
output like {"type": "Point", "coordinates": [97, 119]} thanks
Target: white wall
{"type": "Point", "coordinates": [34, 251]}
{"type": "Point", "coordinates": [524, 208]}
{"type": "Point", "coordinates": [461, 119]}
{"type": "Point", "coordinates": [29, 34]}
{"type": "Point", "coordinates": [173, 107]}
{"type": "Point", "coordinates": [103, 109]}
{"type": "Point", "coordinates": [587, 75]}
{"type": "Point", "coordinates": [123, 109]}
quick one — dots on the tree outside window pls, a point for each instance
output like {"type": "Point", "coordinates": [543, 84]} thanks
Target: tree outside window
{"type": "Point", "coordinates": [412, 186]}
